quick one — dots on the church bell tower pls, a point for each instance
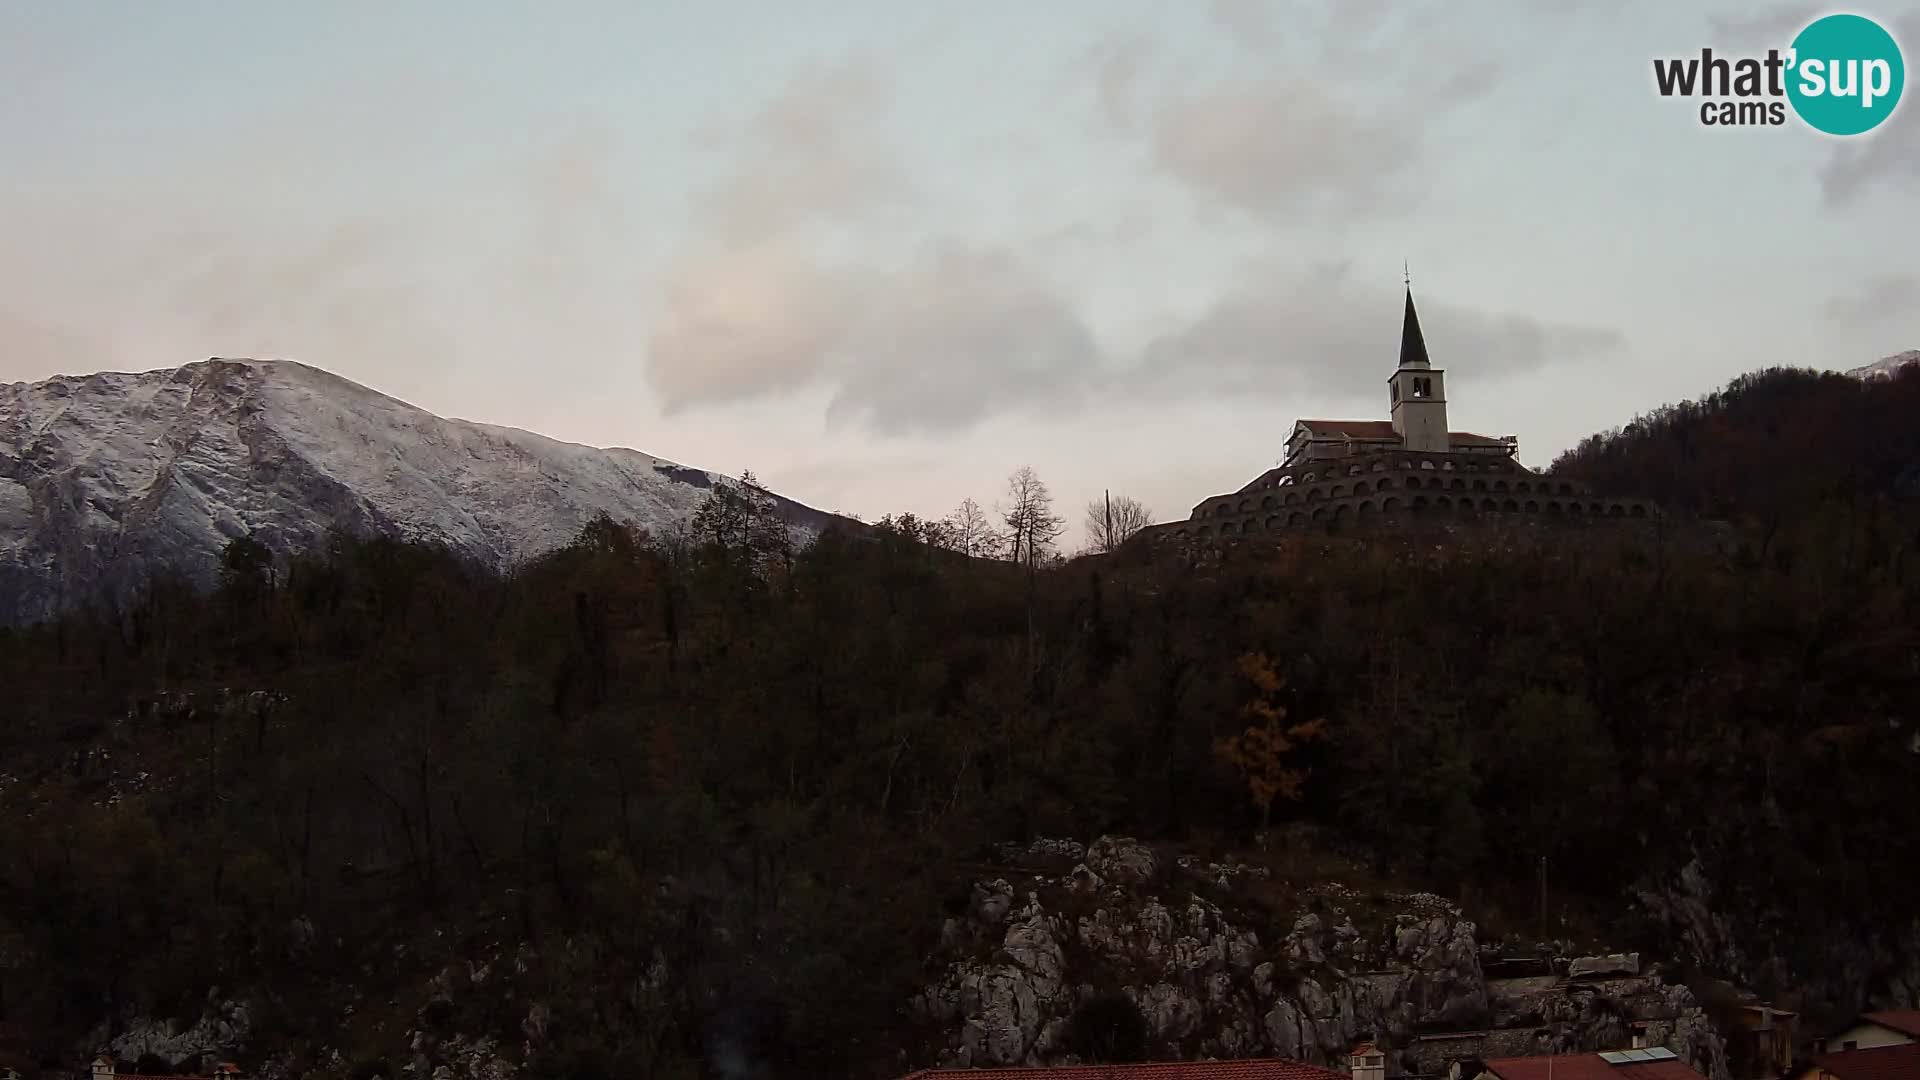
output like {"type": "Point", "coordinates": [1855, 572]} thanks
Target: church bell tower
{"type": "Point", "coordinates": [1418, 390]}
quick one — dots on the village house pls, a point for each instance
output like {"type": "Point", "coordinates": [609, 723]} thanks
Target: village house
{"type": "Point", "coordinates": [1253, 1069]}
{"type": "Point", "coordinates": [1894, 1027]}
{"type": "Point", "coordinates": [1761, 1041]}
{"type": "Point", "coordinates": [1368, 1063]}
{"type": "Point", "coordinates": [1646, 1063]}
{"type": "Point", "coordinates": [105, 1068]}
{"type": "Point", "coordinates": [1889, 1061]}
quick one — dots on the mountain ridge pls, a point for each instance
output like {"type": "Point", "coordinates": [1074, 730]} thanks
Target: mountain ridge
{"type": "Point", "coordinates": [1887, 366]}
{"type": "Point", "coordinates": [109, 478]}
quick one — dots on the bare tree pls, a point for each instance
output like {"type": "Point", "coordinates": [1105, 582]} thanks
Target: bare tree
{"type": "Point", "coordinates": [1113, 520]}
{"type": "Point", "coordinates": [1032, 526]}
{"type": "Point", "coordinates": [969, 531]}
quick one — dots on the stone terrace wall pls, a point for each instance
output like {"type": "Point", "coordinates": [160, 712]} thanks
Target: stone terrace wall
{"type": "Point", "coordinates": [1396, 488]}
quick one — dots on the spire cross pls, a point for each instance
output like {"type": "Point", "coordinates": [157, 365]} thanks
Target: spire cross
{"type": "Point", "coordinates": [1407, 272]}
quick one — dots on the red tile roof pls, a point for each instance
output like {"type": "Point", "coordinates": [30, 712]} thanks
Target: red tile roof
{"type": "Point", "coordinates": [1875, 1063]}
{"type": "Point", "coordinates": [1905, 1021]}
{"type": "Point", "coordinates": [1253, 1069]}
{"type": "Point", "coordinates": [1470, 438]}
{"type": "Point", "coordinates": [1588, 1067]}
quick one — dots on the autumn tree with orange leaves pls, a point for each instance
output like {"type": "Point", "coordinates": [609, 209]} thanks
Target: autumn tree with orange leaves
{"type": "Point", "coordinates": [1263, 751]}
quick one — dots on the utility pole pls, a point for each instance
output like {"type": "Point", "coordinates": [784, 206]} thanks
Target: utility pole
{"type": "Point", "coordinates": [1543, 893]}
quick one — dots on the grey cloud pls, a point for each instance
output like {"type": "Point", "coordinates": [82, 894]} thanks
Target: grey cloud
{"type": "Point", "coordinates": [1878, 299]}
{"type": "Point", "coordinates": [1889, 156]}
{"type": "Point", "coordinates": [754, 309]}
{"type": "Point", "coordinates": [174, 266]}
{"type": "Point", "coordinates": [810, 155]}
{"type": "Point", "coordinates": [1281, 149]}
{"type": "Point", "coordinates": [1749, 29]}
{"type": "Point", "coordinates": [749, 310]}
{"type": "Point", "coordinates": [1118, 63]}
{"type": "Point", "coordinates": [1247, 21]}
{"type": "Point", "coordinates": [955, 335]}
{"type": "Point", "coordinates": [744, 324]}
{"type": "Point", "coordinates": [1325, 331]}
{"type": "Point", "coordinates": [961, 334]}
{"type": "Point", "coordinates": [185, 279]}
{"type": "Point", "coordinates": [1471, 82]}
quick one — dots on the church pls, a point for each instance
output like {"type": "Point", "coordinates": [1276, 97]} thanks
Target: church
{"type": "Point", "coordinates": [1412, 464]}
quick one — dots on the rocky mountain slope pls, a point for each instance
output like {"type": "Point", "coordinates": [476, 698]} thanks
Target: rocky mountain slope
{"type": "Point", "coordinates": [1885, 367]}
{"type": "Point", "coordinates": [1213, 969]}
{"type": "Point", "coordinates": [1215, 975]}
{"type": "Point", "coordinates": [105, 478]}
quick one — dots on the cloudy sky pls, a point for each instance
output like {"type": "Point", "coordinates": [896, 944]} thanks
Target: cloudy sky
{"type": "Point", "coordinates": [882, 252]}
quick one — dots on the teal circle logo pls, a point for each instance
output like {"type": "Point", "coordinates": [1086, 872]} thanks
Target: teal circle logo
{"type": "Point", "coordinates": [1845, 75]}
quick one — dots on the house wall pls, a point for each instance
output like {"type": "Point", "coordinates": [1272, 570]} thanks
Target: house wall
{"type": "Point", "coordinates": [1867, 1036]}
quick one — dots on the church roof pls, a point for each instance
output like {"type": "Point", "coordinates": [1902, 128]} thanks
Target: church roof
{"type": "Point", "coordinates": [1413, 344]}
{"type": "Point", "coordinates": [1352, 429]}
{"type": "Point", "coordinates": [1383, 429]}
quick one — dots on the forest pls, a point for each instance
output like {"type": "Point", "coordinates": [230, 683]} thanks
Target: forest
{"type": "Point", "coordinates": [766, 767]}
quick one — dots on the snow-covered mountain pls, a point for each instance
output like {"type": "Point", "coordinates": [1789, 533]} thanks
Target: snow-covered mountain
{"type": "Point", "coordinates": [1886, 366]}
{"type": "Point", "coordinates": [106, 478]}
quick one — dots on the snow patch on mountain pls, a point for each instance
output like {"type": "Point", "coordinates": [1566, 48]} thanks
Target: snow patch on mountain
{"type": "Point", "coordinates": [1885, 367]}
{"type": "Point", "coordinates": [106, 478]}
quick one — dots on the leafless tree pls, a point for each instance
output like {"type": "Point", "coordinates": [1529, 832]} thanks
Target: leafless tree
{"type": "Point", "coordinates": [1032, 526]}
{"type": "Point", "coordinates": [1112, 521]}
{"type": "Point", "coordinates": [969, 531]}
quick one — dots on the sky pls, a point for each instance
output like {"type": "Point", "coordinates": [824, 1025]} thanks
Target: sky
{"type": "Point", "coordinates": [884, 252]}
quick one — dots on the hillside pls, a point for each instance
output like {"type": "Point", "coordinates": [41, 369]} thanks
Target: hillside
{"type": "Point", "coordinates": [641, 808]}
{"type": "Point", "coordinates": [1767, 445]}
{"type": "Point", "coordinates": [109, 479]}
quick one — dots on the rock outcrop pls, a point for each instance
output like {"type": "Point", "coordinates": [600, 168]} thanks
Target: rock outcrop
{"type": "Point", "coordinates": [1746, 940]}
{"type": "Point", "coordinates": [1215, 975]}
{"type": "Point", "coordinates": [220, 1032]}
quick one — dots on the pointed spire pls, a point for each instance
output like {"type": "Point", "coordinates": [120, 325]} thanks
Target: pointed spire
{"type": "Point", "coordinates": [1413, 345]}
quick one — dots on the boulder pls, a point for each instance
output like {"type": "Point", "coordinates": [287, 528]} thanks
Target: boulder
{"type": "Point", "coordinates": [1602, 967]}
{"type": "Point", "coordinates": [1122, 859]}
